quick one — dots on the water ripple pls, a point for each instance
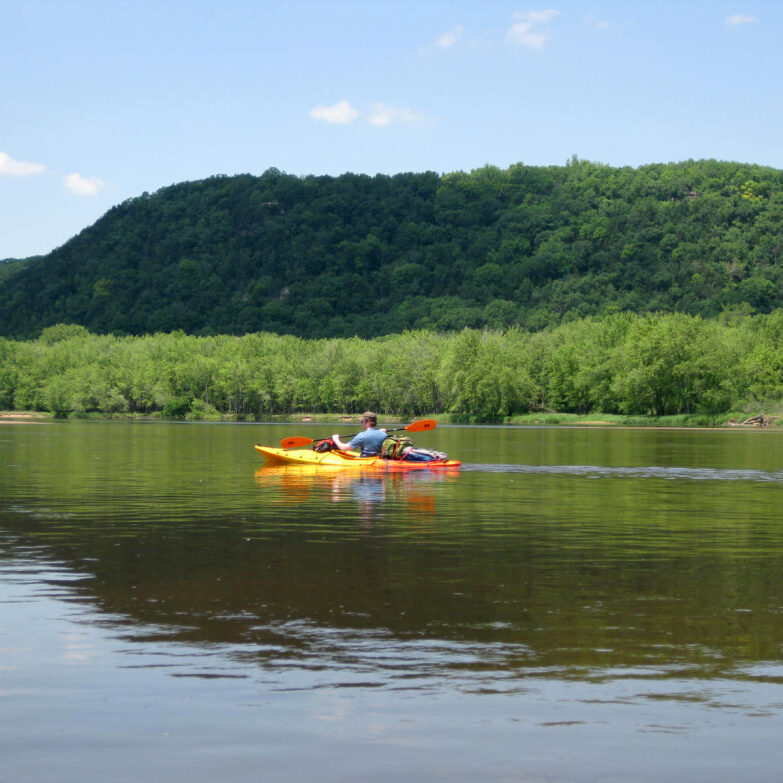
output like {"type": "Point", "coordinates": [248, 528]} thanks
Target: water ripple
{"type": "Point", "coordinates": [653, 472]}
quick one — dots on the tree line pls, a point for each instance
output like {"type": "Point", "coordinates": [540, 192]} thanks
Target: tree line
{"type": "Point", "coordinates": [315, 257]}
{"type": "Point", "coordinates": [649, 364]}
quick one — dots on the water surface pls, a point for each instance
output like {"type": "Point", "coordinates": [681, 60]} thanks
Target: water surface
{"type": "Point", "coordinates": [574, 604]}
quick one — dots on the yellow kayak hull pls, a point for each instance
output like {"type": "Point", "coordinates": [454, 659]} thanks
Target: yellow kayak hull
{"type": "Point", "coordinates": [342, 459]}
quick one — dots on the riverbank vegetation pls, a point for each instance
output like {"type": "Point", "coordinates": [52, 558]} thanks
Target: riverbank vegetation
{"type": "Point", "coordinates": [527, 246]}
{"type": "Point", "coordinates": [619, 364]}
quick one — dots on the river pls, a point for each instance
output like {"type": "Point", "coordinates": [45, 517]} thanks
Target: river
{"type": "Point", "coordinates": [574, 604]}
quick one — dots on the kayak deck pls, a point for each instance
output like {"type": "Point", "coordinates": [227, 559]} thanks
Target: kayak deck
{"type": "Point", "coordinates": [343, 459]}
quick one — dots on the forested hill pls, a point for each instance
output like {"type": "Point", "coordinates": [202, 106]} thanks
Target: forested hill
{"type": "Point", "coordinates": [10, 266]}
{"type": "Point", "coordinates": [359, 255]}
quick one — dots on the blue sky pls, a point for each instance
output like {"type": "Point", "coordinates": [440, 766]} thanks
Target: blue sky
{"type": "Point", "coordinates": [103, 100]}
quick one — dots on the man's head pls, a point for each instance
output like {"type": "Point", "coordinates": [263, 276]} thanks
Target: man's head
{"type": "Point", "coordinates": [368, 418]}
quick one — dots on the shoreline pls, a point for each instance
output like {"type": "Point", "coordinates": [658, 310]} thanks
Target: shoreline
{"type": "Point", "coordinates": [565, 420]}
{"type": "Point", "coordinates": [11, 416]}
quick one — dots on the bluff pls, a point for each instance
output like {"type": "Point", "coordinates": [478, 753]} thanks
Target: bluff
{"type": "Point", "coordinates": [320, 256]}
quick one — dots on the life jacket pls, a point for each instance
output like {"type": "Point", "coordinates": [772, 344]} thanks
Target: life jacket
{"type": "Point", "coordinates": [395, 445]}
{"type": "Point", "coordinates": [327, 444]}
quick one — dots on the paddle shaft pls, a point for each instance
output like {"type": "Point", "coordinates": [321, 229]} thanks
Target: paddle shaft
{"type": "Point", "coordinates": [351, 437]}
{"type": "Point", "coordinates": [416, 426]}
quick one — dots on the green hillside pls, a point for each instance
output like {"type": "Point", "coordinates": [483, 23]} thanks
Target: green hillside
{"type": "Point", "coordinates": [359, 255]}
{"type": "Point", "coordinates": [10, 266]}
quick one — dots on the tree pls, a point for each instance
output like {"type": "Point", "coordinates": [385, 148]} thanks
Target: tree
{"type": "Point", "coordinates": [671, 364]}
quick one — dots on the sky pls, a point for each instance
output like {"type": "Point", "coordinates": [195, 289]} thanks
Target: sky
{"type": "Point", "coordinates": [103, 100]}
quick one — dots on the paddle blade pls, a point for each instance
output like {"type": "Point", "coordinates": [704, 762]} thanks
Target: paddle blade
{"type": "Point", "coordinates": [421, 425]}
{"type": "Point", "coordinates": [295, 442]}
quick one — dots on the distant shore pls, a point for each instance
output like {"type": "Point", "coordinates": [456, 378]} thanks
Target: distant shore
{"type": "Point", "coordinates": [732, 420]}
{"type": "Point", "coordinates": [23, 415]}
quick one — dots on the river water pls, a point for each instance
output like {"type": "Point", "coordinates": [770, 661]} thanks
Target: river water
{"type": "Point", "coordinates": [573, 605]}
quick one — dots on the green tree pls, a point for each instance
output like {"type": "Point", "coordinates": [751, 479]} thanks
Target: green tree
{"type": "Point", "coordinates": [670, 364]}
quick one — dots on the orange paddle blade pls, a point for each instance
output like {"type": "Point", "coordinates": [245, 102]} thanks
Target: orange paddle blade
{"type": "Point", "coordinates": [421, 425]}
{"type": "Point", "coordinates": [295, 442]}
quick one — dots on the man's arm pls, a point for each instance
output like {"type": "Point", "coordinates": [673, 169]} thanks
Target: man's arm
{"type": "Point", "coordinates": [341, 444]}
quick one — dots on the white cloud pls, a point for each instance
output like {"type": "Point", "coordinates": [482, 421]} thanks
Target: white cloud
{"type": "Point", "coordinates": [379, 114]}
{"type": "Point", "coordinates": [83, 186]}
{"type": "Point", "coordinates": [18, 168]}
{"type": "Point", "coordinates": [450, 38]}
{"type": "Point", "coordinates": [383, 114]}
{"type": "Point", "coordinates": [531, 28]}
{"type": "Point", "coordinates": [340, 114]}
{"type": "Point", "coordinates": [738, 19]}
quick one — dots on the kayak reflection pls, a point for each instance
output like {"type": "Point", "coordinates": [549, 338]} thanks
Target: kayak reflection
{"type": "Point", "coordinates": [319, 484]}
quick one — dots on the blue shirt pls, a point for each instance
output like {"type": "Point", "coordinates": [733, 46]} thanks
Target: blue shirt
{"type": "Point", "coordinates": [370, 442]}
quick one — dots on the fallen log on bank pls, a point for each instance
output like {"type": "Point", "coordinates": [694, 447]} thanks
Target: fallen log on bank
{"type": "Point", "coordinates": [754, 421]}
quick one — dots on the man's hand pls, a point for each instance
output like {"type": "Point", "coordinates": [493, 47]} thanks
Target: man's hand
{"type": "Point", "coordinates": [340, 445]}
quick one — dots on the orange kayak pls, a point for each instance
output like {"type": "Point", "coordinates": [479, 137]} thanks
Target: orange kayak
{"type": "Point", "coordinates": [344, 459]}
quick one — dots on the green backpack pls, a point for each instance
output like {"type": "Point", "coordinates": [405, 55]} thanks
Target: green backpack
{"type": "Point", "coordinates": [394, 446]}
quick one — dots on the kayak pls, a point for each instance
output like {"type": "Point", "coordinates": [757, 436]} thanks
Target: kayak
{"type": "Point", "coordinates": [344, 459]}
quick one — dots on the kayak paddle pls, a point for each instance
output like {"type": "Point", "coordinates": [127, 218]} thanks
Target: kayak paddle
{"type": "Point", "coordinates": [421, 425]}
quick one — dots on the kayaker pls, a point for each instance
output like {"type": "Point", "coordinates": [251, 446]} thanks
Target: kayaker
{"type": "Point", "coordinates": [370, 439]}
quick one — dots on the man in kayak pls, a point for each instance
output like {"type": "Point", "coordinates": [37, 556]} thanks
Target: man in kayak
{"type": "Point", "coordinates": [370, 439]}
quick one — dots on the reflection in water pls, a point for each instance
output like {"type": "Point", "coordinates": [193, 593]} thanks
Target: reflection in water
{"type": "Point", "coordinates": [476, 617]}
{"type": "Point", "coordinates": [318, 484]}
